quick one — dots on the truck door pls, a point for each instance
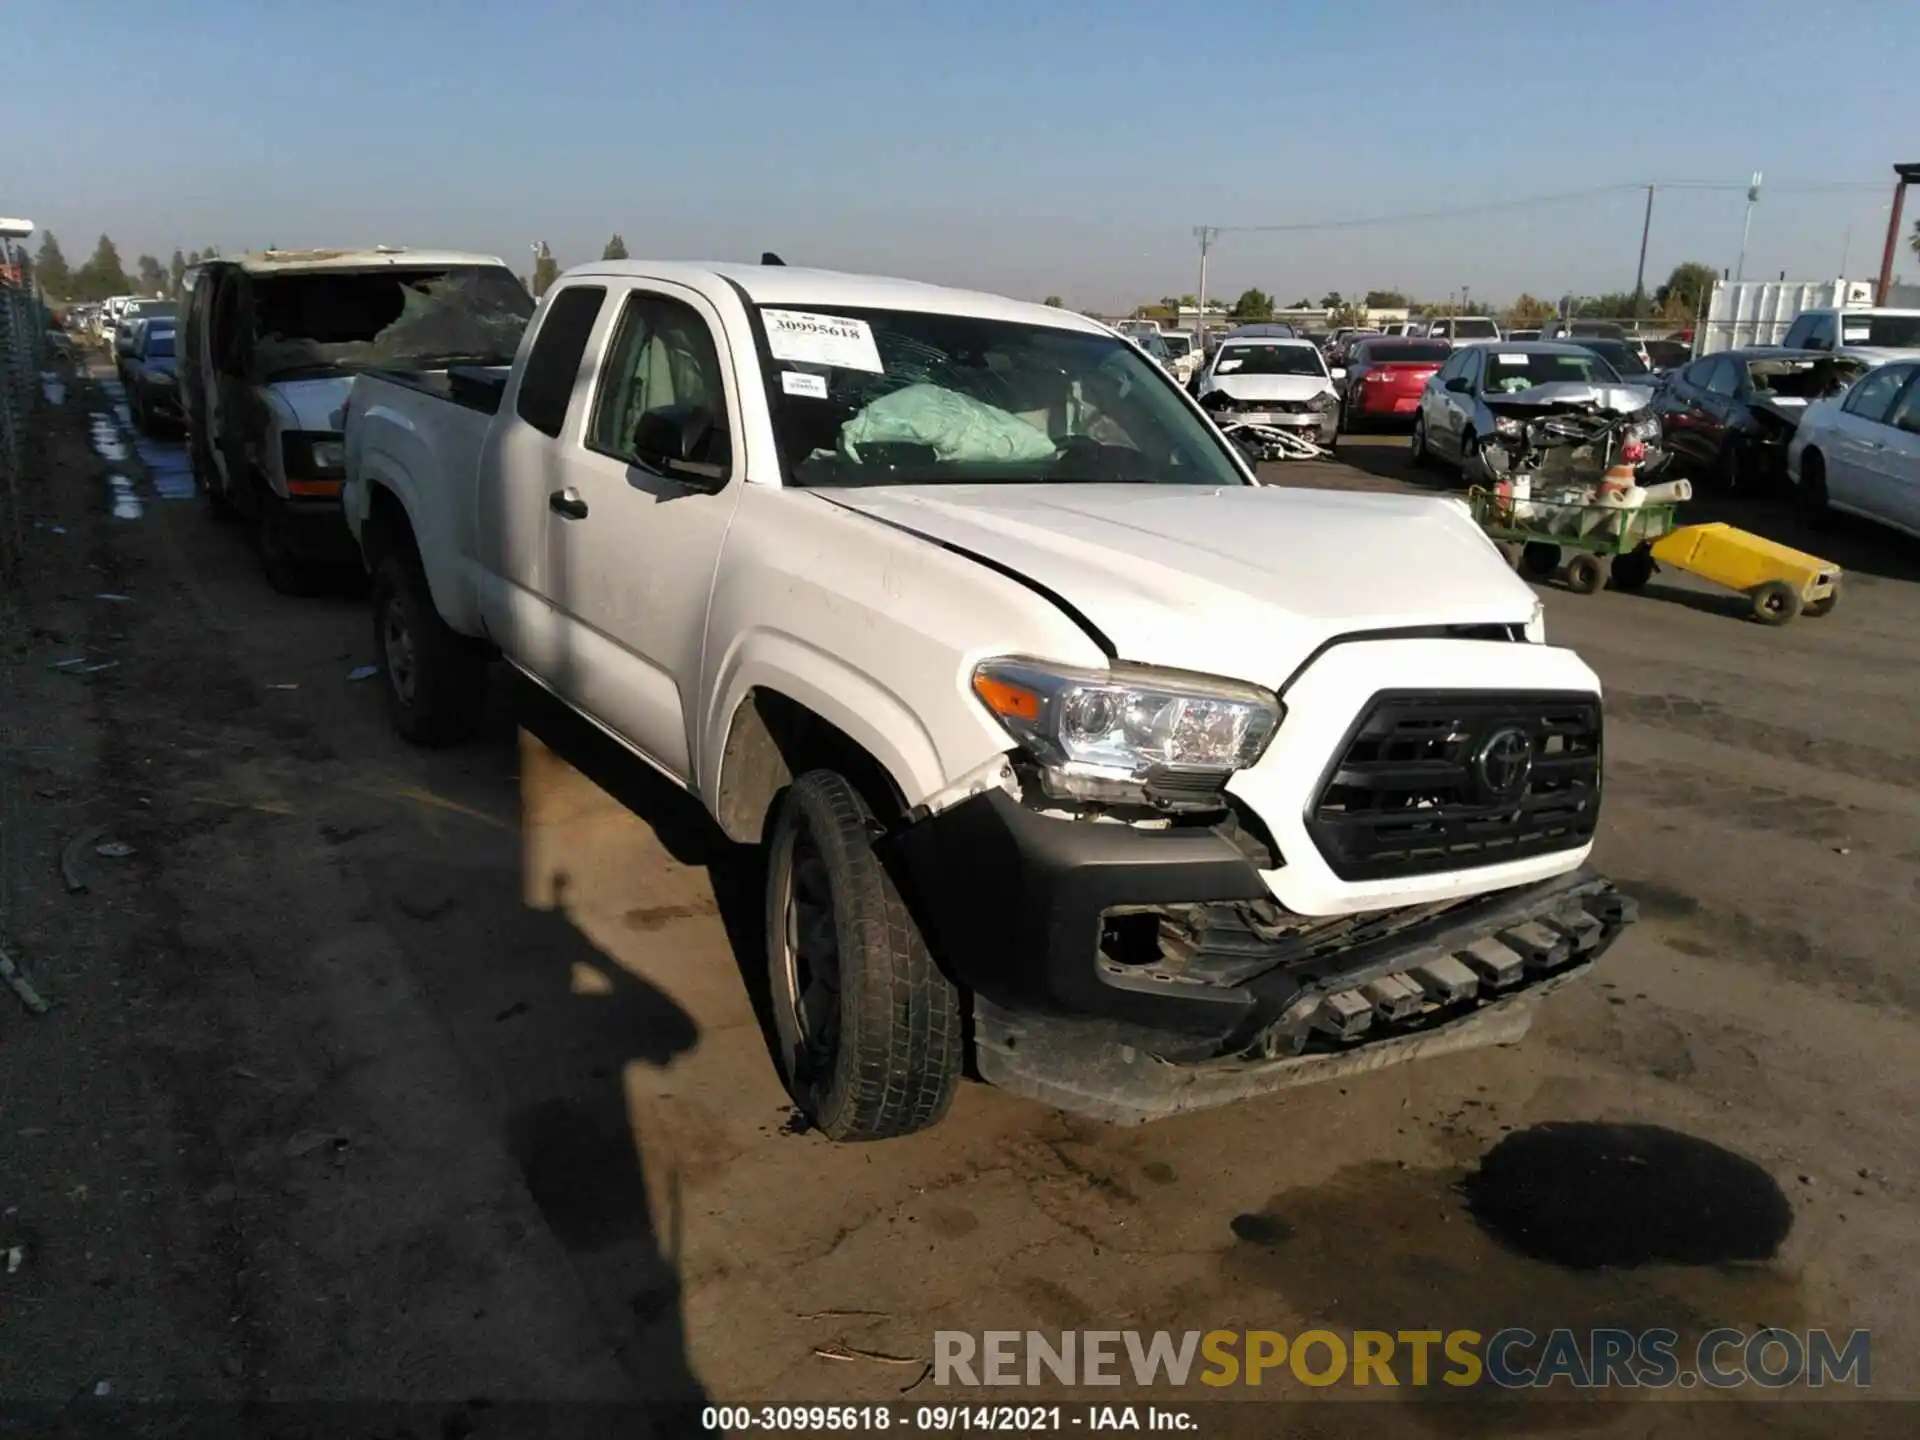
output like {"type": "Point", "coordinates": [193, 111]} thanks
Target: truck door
{"type": "Point", "coordinates": [636, 518]}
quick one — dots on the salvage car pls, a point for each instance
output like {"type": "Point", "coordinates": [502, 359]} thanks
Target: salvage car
{"type": "Point", "coordinates": [1859, 452]}
{"type": "Point", "coordinates": [153, 392]}
{"type": "Point", "coordinates": [1729, 416]}
{"type": "Point", "coordinates": [1488, 390]}
{"type": "Point", "coordinates": [1627, 357]}
{"type": "Point", "coordinates": [1071, 748]}
{"type": "Point", "coordinates": [1281, 384]}
{"type": "Point", "coordinates": [1463, 329]}
{"type": "Point", "coordinates": [268, 348]}
{"type": "Point", "coordinates": [1384, 381]}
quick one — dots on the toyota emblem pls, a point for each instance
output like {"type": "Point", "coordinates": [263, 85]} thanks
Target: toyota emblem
{"type": "Point", "coordinates": [1503, 764]}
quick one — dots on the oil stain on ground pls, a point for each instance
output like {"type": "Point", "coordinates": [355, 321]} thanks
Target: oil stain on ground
{"type": "Point", "coordinates": [1570, 1225]}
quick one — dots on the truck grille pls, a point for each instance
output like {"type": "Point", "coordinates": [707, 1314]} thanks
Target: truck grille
{"type": "Point", "coordinates": [1432, 782]}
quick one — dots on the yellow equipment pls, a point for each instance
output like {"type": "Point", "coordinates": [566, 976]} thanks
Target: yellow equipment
{"type": "Point", "coordinates": [1781, 582]}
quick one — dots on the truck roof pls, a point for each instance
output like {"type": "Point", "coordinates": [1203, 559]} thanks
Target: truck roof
{"type": "Point", "coordinates": [791, 285]}
{"type": "Point", "coordinates": [267, 262]}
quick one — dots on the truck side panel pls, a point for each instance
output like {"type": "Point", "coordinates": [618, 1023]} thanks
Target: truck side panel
{"type": "Point", "coordinates": [422, 450]}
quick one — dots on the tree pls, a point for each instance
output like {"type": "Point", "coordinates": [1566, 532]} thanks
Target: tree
{"type": "Point", "coordinates": [1614, 305]}
{"type": "Point", "coordinates": [1347, 313]}
{"type": "Point", "coordinates": [193, 257]}
{"type": "Point", "coordinates": [56, 278]}
{"type": "Point", "coordinates": [1253, 305]}
{"type": "Point", "coordinates": [103, 275]}
{"type": "Point", "coordinates": [1055, 301]}
{"type": "Point", "coordinates": [1330, 300]}
{"type": "Point", "coordinates": [153, 275]}
{"type": "Point", "coordinates": [1527, 313]}
{"type": "Point", "coordinates": [1301, 304]}
{"type": "Point", "coordinates": [212, 252]}
{"type": "Point", "coordinates": [176, 274]}
{"type": "Point", "coordinates": [1386, 300]}
{"type": "Point", "coordinates": [1687, 289]}
{"type": "Point", "coordinates": [546, 270]}
{"type": "Point", "coordinates": [616, 249]}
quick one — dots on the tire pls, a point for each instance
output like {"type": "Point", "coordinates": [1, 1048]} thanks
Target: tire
{"type": "Point", "coordinates": [1728, 470]}
{"type": "Point", "coordinates": [1422, 456]}
{"type": "Point", "coordinates": [1811, 493]}
{"type": "Point", "coordinates": [435, 679]}
{"type": "Point", "coordinates": [875, 1051]}
{"type": "Point", "coordinates": [1514, 553]}
{"type": "Point", "coordinates": [282, 565]}
{"type": "Point", "coordinates": [1775, 602]}
{"type": "Point", "coordinates": [1539, 559]}
{"type": "Point", "coordinates": [1587, 573]}
{"type": "Point", "coordinates": [1633, 570]}
{"type": "Point", "coordinates": [1473, 469]}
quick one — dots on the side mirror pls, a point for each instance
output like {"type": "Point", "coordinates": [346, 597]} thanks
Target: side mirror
{"type": "Point", "coordinates": [676, 440]}
{"type": "Point", "coordinates": [1458, 384]}
{"type": "Point", "coordinates": [1339, 372]}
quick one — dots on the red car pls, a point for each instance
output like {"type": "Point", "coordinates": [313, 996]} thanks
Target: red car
{"type": "Point", "coordinates": [1385, 378]}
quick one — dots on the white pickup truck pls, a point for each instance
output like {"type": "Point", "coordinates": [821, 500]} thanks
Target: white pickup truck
{"type": "Point", "coordinates": [1050, 716]}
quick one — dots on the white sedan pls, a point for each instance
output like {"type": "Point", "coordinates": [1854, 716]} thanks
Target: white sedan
{"type": "Point", "coordinates": [1859, 451]}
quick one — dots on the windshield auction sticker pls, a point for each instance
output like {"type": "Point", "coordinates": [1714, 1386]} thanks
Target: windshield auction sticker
{"type": "Point", "coordinates": [809, 339]}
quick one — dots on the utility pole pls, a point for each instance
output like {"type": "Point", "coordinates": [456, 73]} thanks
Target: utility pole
{"type": "Point", "coordinates": [1753, 194]}
{"type": "Point", "coordinates": [1206, 234]}
{"type": "Point", "coordinates": [1640, 275]}
{"type": "Point", "coordinates": [1907, 174]}
{"type": "Point", "coordinates": [1466, 299]}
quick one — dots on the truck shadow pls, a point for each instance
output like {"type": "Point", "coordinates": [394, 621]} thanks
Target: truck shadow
{"type": "Point", "coordinates": [678, 821]}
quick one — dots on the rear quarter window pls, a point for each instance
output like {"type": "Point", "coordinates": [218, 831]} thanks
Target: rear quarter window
{"type": "Point", "coordinates": [546, 387]}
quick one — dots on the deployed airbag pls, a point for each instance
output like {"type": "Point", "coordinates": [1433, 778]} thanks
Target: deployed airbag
{"type": "Point", "coordinates": [955, 427]}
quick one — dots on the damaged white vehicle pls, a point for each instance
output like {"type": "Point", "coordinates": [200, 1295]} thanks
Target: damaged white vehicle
{"type": "Point", "coordinates": [1177, 787]}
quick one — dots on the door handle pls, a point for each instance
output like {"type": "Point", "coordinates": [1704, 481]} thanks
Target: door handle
{"type": "Point", "coordinates": [567, 502]}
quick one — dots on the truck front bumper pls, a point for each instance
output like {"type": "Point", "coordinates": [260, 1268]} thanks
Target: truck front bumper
{"type": "Point", "coordinates": [1051, 924]}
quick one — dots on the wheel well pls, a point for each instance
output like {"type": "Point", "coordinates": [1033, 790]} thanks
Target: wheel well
{"type": "Point", "coordinates": [387, 526]}
{"type": "Point", "coordinates": [774, 738]}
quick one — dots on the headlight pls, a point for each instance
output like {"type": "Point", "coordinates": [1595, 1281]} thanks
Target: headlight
{"type": "Point", "coordinates": [1324, 401]}
{"type": "Point", "coordinates": [1505, 425]}
{"type": "Point", "coordinates": [1646, 427]}
{"type": "Point", "coordinates": [313, 454]}
{"type": "Point", "coordinates": [1112, 734]}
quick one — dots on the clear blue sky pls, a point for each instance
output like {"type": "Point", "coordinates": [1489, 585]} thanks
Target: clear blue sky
{"type": "Point", "coordinates": [1030, 148]}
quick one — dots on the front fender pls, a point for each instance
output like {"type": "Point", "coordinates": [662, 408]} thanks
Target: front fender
{"type": "Point", "coordinates": [878, 720]}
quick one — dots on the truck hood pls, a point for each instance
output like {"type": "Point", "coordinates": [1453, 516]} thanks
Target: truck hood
{"type": "Point", "coordinates": [1565, 395]}
{"type": "Point", "coordinates": [1271, 387]}
{"type": "Point", "coordinates": [309, 404]}
{"type": "Point", "coordinates": [1244, 582]}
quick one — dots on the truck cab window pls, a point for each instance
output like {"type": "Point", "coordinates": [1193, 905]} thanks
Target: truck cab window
{"type": "Point", "coordinates": [663, 359]}
{"type": "Point", "coordinates": [546, 386]}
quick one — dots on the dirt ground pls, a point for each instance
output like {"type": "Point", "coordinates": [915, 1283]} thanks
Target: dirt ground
{"type": "Point", "coordinates": [379, 1075]}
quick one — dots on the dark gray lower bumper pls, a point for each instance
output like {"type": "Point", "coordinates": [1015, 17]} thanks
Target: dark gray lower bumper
{"type": "Point", "coordinates": [1456, 989]}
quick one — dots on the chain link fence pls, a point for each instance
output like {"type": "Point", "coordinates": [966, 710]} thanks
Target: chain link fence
{"type": "Point", "coordinates": [23, 329]}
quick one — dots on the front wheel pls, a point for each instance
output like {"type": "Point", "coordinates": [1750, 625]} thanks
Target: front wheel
{"type": "Point", "coordinates": [1774, 603]}
{"type": "Point", "coordinates": [1587, 573]}
{"type": "Point", "coordinates": [1811, 493]}
{"type": "Point", "coordinates": [868, 1028]}
{"type": "Point", "coordinates": [435, 678]}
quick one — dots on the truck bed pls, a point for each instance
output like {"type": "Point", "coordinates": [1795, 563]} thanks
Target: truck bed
{"type": "Point", "coordinates": [473, 387]}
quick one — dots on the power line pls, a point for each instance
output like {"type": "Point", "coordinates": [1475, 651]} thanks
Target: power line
{"type": "Point", "coordinates": [1529, 201]}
